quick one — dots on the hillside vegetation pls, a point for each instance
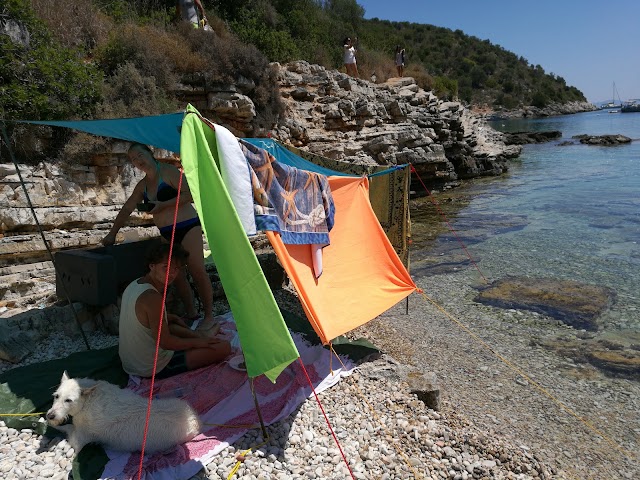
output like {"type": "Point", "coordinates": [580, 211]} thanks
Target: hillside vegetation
{"type": "Point", "coordinates": [107, 58]}
{"type": "Point", "coordinates": [451, 63]}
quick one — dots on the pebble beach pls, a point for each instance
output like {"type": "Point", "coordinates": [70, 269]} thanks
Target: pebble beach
{"type": "Point", "coordinates": [493, 424]}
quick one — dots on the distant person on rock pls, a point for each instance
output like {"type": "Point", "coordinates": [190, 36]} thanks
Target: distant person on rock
{"type": "Point", "coordinates": [400, 60]}
{"type": "Point", "coordinates": [192, 11]}
{"type": "Point", "coordinates": [350, 57]}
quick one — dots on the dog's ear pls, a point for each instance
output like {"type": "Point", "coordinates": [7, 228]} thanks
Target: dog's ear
{"type": "Point", "coordinates": [65, 376]}
{"type": "Point", "coordinates": [88, 391]}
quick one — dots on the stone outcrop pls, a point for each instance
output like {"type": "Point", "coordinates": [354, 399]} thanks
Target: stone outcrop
{"type": "Point", "coordinates": [548, 111]}
{"type": "Point", "coordinates": [602, 140]}
{"type": "Point", "coordinates": [521, 138]}
{"type": "Point", "coordinates": [226, 104]}
{"type": "Point", "coordinates": [16, 31]}
{"type": "Point", "coordinates": [392, 123]}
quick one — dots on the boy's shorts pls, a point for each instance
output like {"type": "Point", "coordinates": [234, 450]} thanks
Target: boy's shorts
{"type": "Point", "coordinates": [177, 364]}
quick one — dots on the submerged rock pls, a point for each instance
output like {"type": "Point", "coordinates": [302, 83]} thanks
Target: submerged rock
{"type": "Point", "coordinates": [620, 363]}
{"type": "Point", "coordinates": [614, 353]}
{"type": "Point", "coordinates": [576, 304]}
{"type": "Point", "coordinates": [520, 138]}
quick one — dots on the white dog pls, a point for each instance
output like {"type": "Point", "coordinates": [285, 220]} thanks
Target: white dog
{"type": "Point", "coordinates": [115, 417]}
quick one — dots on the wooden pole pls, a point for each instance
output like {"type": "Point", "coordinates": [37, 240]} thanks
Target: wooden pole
{"type": "Point", "coordinates": [255, 400]}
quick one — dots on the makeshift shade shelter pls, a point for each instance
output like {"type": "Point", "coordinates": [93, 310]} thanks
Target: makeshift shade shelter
{"type": "Point", "coordinates": [363, 275]}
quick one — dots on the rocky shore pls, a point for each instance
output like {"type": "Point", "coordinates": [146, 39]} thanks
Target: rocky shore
{"type": "Point", "coordinates": [493, 422]}
{"type": "Point", "coordinates": [326, 113]}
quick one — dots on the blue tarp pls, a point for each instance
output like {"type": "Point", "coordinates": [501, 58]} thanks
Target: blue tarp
{"type": "Point", "coordinates": [282, 155]}
{"type": "Point", "coordinates": [163, 131]}
{"type": "Point", "coordinates": [286, 156]}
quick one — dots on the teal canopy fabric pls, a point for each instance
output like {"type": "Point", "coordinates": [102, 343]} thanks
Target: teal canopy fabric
{"type": "Point", "coordinates": [282, 155]}
{"type": "Point", "coordinates": [286, 156]}
{"type": "Point", "coordinates": [161, 131]}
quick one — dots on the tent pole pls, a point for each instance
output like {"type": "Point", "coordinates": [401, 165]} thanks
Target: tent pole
{"type": "Point", "coordinates": [407, 298]}
{"type": "Point", "coordinates": [255, 400]}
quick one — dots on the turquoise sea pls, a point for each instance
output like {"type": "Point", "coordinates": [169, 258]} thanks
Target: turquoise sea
{"type": "Point", "coordinates": [568, 212]}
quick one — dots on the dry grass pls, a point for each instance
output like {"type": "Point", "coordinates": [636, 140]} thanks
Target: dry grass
{"type": "Point", "coordinates": [75, 23]}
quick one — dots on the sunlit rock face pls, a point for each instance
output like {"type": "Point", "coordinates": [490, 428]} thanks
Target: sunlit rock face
{"type": "Point", "coordinates": [391, 123]}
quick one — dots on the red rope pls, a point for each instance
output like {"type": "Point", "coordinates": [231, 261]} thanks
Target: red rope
{"type": "Point", "coordinates": [448, 224]}
{"type": "Point", "coordinates": [155, 358]}
{"type": "Point", "coordinates": [326, 419]}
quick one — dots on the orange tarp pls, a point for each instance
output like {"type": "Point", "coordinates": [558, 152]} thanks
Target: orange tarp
{"type": "Point", "coordinates": [362, 274]}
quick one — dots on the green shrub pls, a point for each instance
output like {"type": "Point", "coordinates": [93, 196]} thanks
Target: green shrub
{"type": "Point", "coordinates": [127, 93]}
{"type": "Point", "coordinates": [540, 100]}
{"type": "Point", "coordinates": [130, 93]}
{"type": "Point", "coordinates": [445, 87]}
{"type": "Point", "coordinates": [76, 24]}
{"type": "Point", "coordinates": [507, 101]}
{"type": "Point", "coordinates": [43, 80]}
{"type": "Point", "coordinates": [143, 47]}
{"type": "Point", "coordinates": [276, 45]}
{"type": "Point", "coordinates": [420, 75]}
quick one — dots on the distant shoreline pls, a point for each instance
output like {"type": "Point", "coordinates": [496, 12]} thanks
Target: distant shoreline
{"type": "Point", "coordinates": [536, 112]}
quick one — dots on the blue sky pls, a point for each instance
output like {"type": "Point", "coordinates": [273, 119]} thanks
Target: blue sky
{"type": "Point", "coordinates": [589, 43]}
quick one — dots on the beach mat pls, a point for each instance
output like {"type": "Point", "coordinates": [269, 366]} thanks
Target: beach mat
{"type": "Point", "coordinates": [28, 389]}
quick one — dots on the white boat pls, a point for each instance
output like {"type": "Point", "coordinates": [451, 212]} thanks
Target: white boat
{"type": "Point", "coordinates": [612, 103]}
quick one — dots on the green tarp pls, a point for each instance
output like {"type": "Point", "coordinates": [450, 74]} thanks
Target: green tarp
{"type": "Point", "coordinates": [267, 346]}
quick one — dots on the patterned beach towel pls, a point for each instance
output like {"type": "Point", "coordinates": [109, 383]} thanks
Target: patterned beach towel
{"type": "Point", "coordinates": [222, 397]}
{"type": "Point", "coordinates": [296, 203]}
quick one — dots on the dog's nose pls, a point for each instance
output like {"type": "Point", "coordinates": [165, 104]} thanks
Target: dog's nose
{"type": "Point", "coordinates": [51, 415]}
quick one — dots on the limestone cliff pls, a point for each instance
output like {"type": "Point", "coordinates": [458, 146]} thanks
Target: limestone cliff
{"type": "Point", "coordinates": [393, 123]}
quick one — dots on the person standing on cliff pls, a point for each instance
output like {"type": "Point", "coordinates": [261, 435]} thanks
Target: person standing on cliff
{"type": "Point", "coordinates": [350, 57]}
{"type": "Point", "coordinates": [192, 11]}
{"type": "Point", "coordinates": [400, 60]}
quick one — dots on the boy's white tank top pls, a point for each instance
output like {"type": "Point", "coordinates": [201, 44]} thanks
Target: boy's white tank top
{"type": "Point", "coordinates": [137, 345]}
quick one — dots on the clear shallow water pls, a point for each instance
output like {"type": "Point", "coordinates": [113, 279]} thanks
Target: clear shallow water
{"type": "Point", "coordinates": [577, 209]}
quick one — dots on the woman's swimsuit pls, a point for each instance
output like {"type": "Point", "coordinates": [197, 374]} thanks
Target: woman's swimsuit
{"type": "Point", "coordinates": [182, 228]}
{"type": "Point", "coordinates": [167, 192]}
